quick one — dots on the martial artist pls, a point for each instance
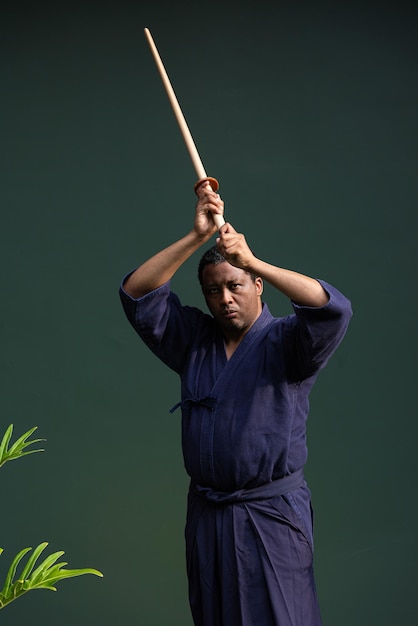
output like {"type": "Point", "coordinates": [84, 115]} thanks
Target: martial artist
{"type": "Point", "coordinates": [245, 381]}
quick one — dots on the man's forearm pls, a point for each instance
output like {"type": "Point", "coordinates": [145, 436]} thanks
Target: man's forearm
{"type": "Point", "coordinates": [162, 266]}
{"type": "Point", "coordinates": [302, 289]}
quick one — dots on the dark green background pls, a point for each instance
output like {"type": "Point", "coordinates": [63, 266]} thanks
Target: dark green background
{"type": "Point", "coordinates": [307, 114]}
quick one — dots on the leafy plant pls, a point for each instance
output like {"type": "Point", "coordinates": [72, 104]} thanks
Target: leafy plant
{"type": "Point", "coordinates": [33, 576]}
{"type": "Point", "coordinates": [45, 576]}
{"type": "Point", "coordinates": [16, 450]}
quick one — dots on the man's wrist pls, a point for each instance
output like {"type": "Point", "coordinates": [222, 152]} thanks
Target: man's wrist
{"type": "Point", "coordinates": [200, 238]}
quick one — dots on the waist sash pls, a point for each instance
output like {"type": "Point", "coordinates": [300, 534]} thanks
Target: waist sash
{"type": "Point", "coordinates": [275, 488]}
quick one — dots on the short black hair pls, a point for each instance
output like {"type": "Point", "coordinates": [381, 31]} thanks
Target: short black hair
{"type": "Point", "coordinates": [213, 257]}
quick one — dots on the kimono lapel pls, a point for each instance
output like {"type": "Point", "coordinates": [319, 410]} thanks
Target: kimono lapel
{"type": "Point", "coordinates": [256, 332]}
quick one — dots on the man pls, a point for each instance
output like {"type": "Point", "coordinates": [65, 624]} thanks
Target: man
{"type": "Point", "coordinates": [245, 382]}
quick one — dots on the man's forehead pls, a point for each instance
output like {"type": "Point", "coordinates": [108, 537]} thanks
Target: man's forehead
{"type": "Point", "coordinates": [222, 273]}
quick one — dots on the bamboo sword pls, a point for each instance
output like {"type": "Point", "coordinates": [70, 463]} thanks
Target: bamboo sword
{"type": "Point", "coordinates": [184, 129]}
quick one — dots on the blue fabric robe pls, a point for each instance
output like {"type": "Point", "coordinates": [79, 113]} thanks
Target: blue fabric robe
{"type": "Point", "coordinates": [249, 558]}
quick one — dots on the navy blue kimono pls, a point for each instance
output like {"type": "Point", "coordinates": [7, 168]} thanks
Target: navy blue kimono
{"type": "Point", "coordinates": [249, 536]}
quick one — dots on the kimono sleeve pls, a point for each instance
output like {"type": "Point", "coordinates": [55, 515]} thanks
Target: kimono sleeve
{"type": "Point", "coordinates": [164, 325]}
{"type": "Point", "coordinates": [314, 333]}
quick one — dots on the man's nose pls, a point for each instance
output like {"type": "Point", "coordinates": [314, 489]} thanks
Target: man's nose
{"type": "Point", "coordinates": [226, 296]}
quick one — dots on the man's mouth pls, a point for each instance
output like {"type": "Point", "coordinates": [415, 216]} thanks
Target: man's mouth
{"type": "Point", "coordinates": [229, 313]}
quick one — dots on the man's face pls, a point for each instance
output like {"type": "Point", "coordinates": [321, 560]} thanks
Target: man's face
{"type": "Point", "coordinates": [232, 297]}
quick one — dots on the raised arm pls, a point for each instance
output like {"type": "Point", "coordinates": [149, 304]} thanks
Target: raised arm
{"type": "Point", "coordinates": [303, 290]}
{"type": "Point", "coordinates": [163, 265]}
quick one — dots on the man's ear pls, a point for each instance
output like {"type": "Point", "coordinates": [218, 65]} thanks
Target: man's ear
{"type": "Point", "coordinates": [259, 285]}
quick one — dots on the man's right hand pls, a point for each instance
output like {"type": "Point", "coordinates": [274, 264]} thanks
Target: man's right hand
{"type": "Point", "coordinates": [209, 203]}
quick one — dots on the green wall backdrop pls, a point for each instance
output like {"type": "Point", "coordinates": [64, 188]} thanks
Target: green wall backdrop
{"type": "Point", "coordinates": [307, 114]}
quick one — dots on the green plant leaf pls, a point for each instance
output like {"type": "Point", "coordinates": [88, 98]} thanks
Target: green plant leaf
{"type": "Point", "coordinates": [32, 560]}
{"type": "Point", "coordinates": [45, 576]}
{"type": "Point", "coordinates": [16, 451]}
{"type": "Point", "coordinates": [46, 565]}
{"type": "Point", "coordinates": [21, 443]}
{"type": "Point", "coordinates": [12, 570]}
{"type": "Point", "coordinates": [5, 441]}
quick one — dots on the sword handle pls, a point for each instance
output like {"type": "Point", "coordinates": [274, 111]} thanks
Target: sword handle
{"type": "Point", "coordinates": [218, 219]}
